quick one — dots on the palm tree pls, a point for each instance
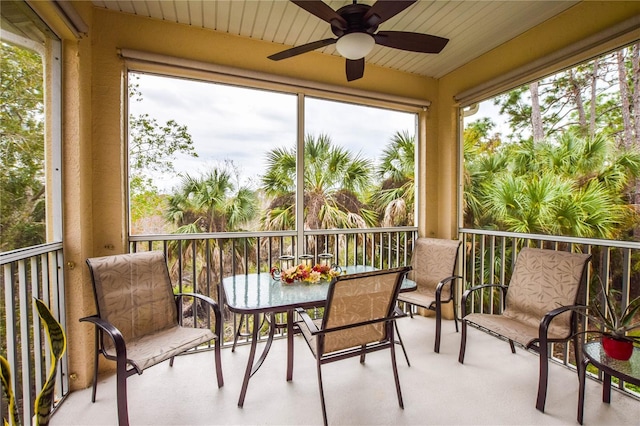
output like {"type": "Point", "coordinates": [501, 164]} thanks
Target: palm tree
{"type": "Point", "coordinates": [483, 159]}
{"type": "Point", "coordinates": [212, 202]}
{"type": "Point", "coordinates": [335, 181]}
{"type": "Point", "coordinates": [572, 186]}
{"type": "Point", "coordinates": [395, 198]}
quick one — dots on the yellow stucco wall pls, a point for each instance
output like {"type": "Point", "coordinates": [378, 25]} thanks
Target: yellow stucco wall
{"type": "Point", "coordinates": [94, 152]}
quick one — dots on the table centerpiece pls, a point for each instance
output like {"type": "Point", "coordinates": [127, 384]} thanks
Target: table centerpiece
{"type": "Point", "coordinates": [305, 273]}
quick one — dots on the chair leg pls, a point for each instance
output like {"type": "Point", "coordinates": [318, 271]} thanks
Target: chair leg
{"type": "Point", "coordinates": [217, 354]}
{"type": "Point", "coordinates": [121, 392]}
{"type": "Point", "coordinates": [363, 353]}
{"type": "Point", "coordinates": [513, 347]}
{"type": "Point", "coordinates": [324, 408]}
{"type": "Point", "coordinates": [395, 373]}
{"type": "Point", "coordinates": [544, 377]}
{"type": "Point", "coordinates": [436, 346]}
{"type": "Point", "coordinates": [404, 350]}
{"type": "Point", "coordinates": [95, 369]}
{"type": "Point", "coordinates": [455, 314]}
{"type": "Point", "coordinates": [463, 341]}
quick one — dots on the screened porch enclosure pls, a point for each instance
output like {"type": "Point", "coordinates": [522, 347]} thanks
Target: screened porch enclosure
{"type": "Point", "coordinates": [88, 50]}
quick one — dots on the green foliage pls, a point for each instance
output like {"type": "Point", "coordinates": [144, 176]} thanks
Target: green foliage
{"type": "Point", "coordinates": [5, 377]}
{"type": "Point", "coordinates": [335, 182]}
{"type": "Point", "coordinates": [394, 199]}
{"type": "Point", "coordinates": [154, 146]}
{"type": "Point", "coordinates": [22, 181]}
{"type": "Point", "coordinates": [573, 186]}
{"type": "Point", "coordinates": [147, 205]}
{"type": "Point", "coordinates": [44, 400]}
{"type": "Point", "coordinates": [212, 202]}
{"type": "Point", "coordinates": [58, 345]}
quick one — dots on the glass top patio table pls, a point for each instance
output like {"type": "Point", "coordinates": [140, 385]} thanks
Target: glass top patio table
{"type": "Point", "coordinates": [259, 293]}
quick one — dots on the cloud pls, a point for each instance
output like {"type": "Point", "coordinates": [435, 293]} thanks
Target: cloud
{"type": "Point", "coordinates": [242, 124]}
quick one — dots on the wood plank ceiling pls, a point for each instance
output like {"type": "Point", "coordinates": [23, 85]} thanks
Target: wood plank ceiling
{"type": "Point", "coordinates": [473, 27]}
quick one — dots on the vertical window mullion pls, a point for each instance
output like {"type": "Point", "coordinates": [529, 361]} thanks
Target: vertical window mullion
{"type": "Point", "coordinates": [300, 177]}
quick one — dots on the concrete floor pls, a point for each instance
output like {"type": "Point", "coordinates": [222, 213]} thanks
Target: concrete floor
{"type": "Point", "coordinates": [493, 387]}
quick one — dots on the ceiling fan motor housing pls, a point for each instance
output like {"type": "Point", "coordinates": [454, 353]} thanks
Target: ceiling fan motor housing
{"type": "Point", "coordinates": [353, 14]}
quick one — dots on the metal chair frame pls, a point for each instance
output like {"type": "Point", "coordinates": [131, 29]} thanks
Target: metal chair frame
{"type": "Point", "coordinates": [539, 345]}
{"type": "Point", "coordinates": [125, 367]}
{"type": "Point", "coordinates": [436, 304]}
{"type": "Point", "coordinates": [393, 313]}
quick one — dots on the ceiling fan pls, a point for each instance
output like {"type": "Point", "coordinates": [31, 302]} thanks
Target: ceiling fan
{"type": "Point", "coordinates": [355, 27]}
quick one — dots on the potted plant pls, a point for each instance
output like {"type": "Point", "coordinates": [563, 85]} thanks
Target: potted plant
{"type": "Point", "coordinates": [614, 323]}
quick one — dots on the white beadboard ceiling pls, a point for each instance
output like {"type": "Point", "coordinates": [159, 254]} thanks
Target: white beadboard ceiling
{"type": "Point", "coordinates": [473, 27]}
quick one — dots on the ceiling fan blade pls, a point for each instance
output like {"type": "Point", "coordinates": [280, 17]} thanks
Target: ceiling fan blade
{"type": "Point", "coordinates": [304, 48]}
{"type": "Point", "coordinates": [383, 10]}
{"type": "Point", "coordinates": [355, 69]}
{"type": "Point", "coordinates": [414, 42]}
{"type": "Point", "coordinates": [322, 11]}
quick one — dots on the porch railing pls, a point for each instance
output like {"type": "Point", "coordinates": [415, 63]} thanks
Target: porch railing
{"type": "Point", "coordinates": [489, 256]}
{"type": "Point", "coordinates": [199, 262]}
{"type": "Point", "coordinates": [25, 274]}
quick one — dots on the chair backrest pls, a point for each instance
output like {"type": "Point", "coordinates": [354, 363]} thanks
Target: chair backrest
{"type": "Point", "coordinates": [133, 292]}
{"type": "Point", "coordinates": [433, 259]}
{"type": "Point", "coordinates": [542, 281]}
{"type": "Point", "coordinates": [358, 298]}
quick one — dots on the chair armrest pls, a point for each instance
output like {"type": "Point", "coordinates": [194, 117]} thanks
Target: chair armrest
{"type": "Point", "coordinates": [307, 320]}
{"type": "Point", "coordinates": [545, 322]}
{"type": "Point", "coordinates": [470, 290]}
{"type": "Point", "coordinates": [451, 282]}
{"type": "Point", "coordinates": [112, 331]}
{"type": "Point", "coordinates": [212, 303]}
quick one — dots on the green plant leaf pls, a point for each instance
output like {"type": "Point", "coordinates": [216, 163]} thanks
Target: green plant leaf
{"type": "Point", "coordinates": [630, 313]}
{"type": "Point", "coordinates": [5, 376]}
{"type": "Point", "coordinates": [58, 344]}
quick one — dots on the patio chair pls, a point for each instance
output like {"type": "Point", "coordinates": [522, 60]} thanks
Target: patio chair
{"type": "Point", "coordinates": [537, 306]}
{"type": "Point", "coordinates": [137, 324]}
{"type": "Point", "coordinates": [358, 318]}
{"type": "Point", "coordinates": [434, 265]}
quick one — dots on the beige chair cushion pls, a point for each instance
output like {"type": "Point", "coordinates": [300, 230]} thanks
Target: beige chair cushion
{"type": "Point", "coordinates": [542, 281]}
{"type": "Point", "coordinates": [357, 300]}
{"type": "Point", "coordinates": [432, 261]}
{"type": "Point", "coordinates": [155, 348]}
{"type": "Point", "coordinates": [134, 294]}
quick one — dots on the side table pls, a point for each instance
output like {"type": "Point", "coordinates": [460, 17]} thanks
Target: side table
{"type": "Point", "coordinates": [629, 371]}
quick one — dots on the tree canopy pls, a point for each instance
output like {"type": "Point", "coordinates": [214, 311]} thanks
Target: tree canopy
{"type": "Point", "coordinates": [22, 181]}
{"type": "Point", "coordinates": [571, 165]}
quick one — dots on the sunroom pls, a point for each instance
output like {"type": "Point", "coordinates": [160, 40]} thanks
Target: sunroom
{"type": "Point", "coordinates": [91, 50]}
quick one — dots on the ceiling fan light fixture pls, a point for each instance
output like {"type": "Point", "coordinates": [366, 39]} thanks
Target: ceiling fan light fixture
{"type": "Point", "coordinates": [355, 45]}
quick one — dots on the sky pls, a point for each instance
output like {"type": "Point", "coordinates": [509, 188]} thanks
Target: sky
{"type": "Point", "coordinates": [242, 125]}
